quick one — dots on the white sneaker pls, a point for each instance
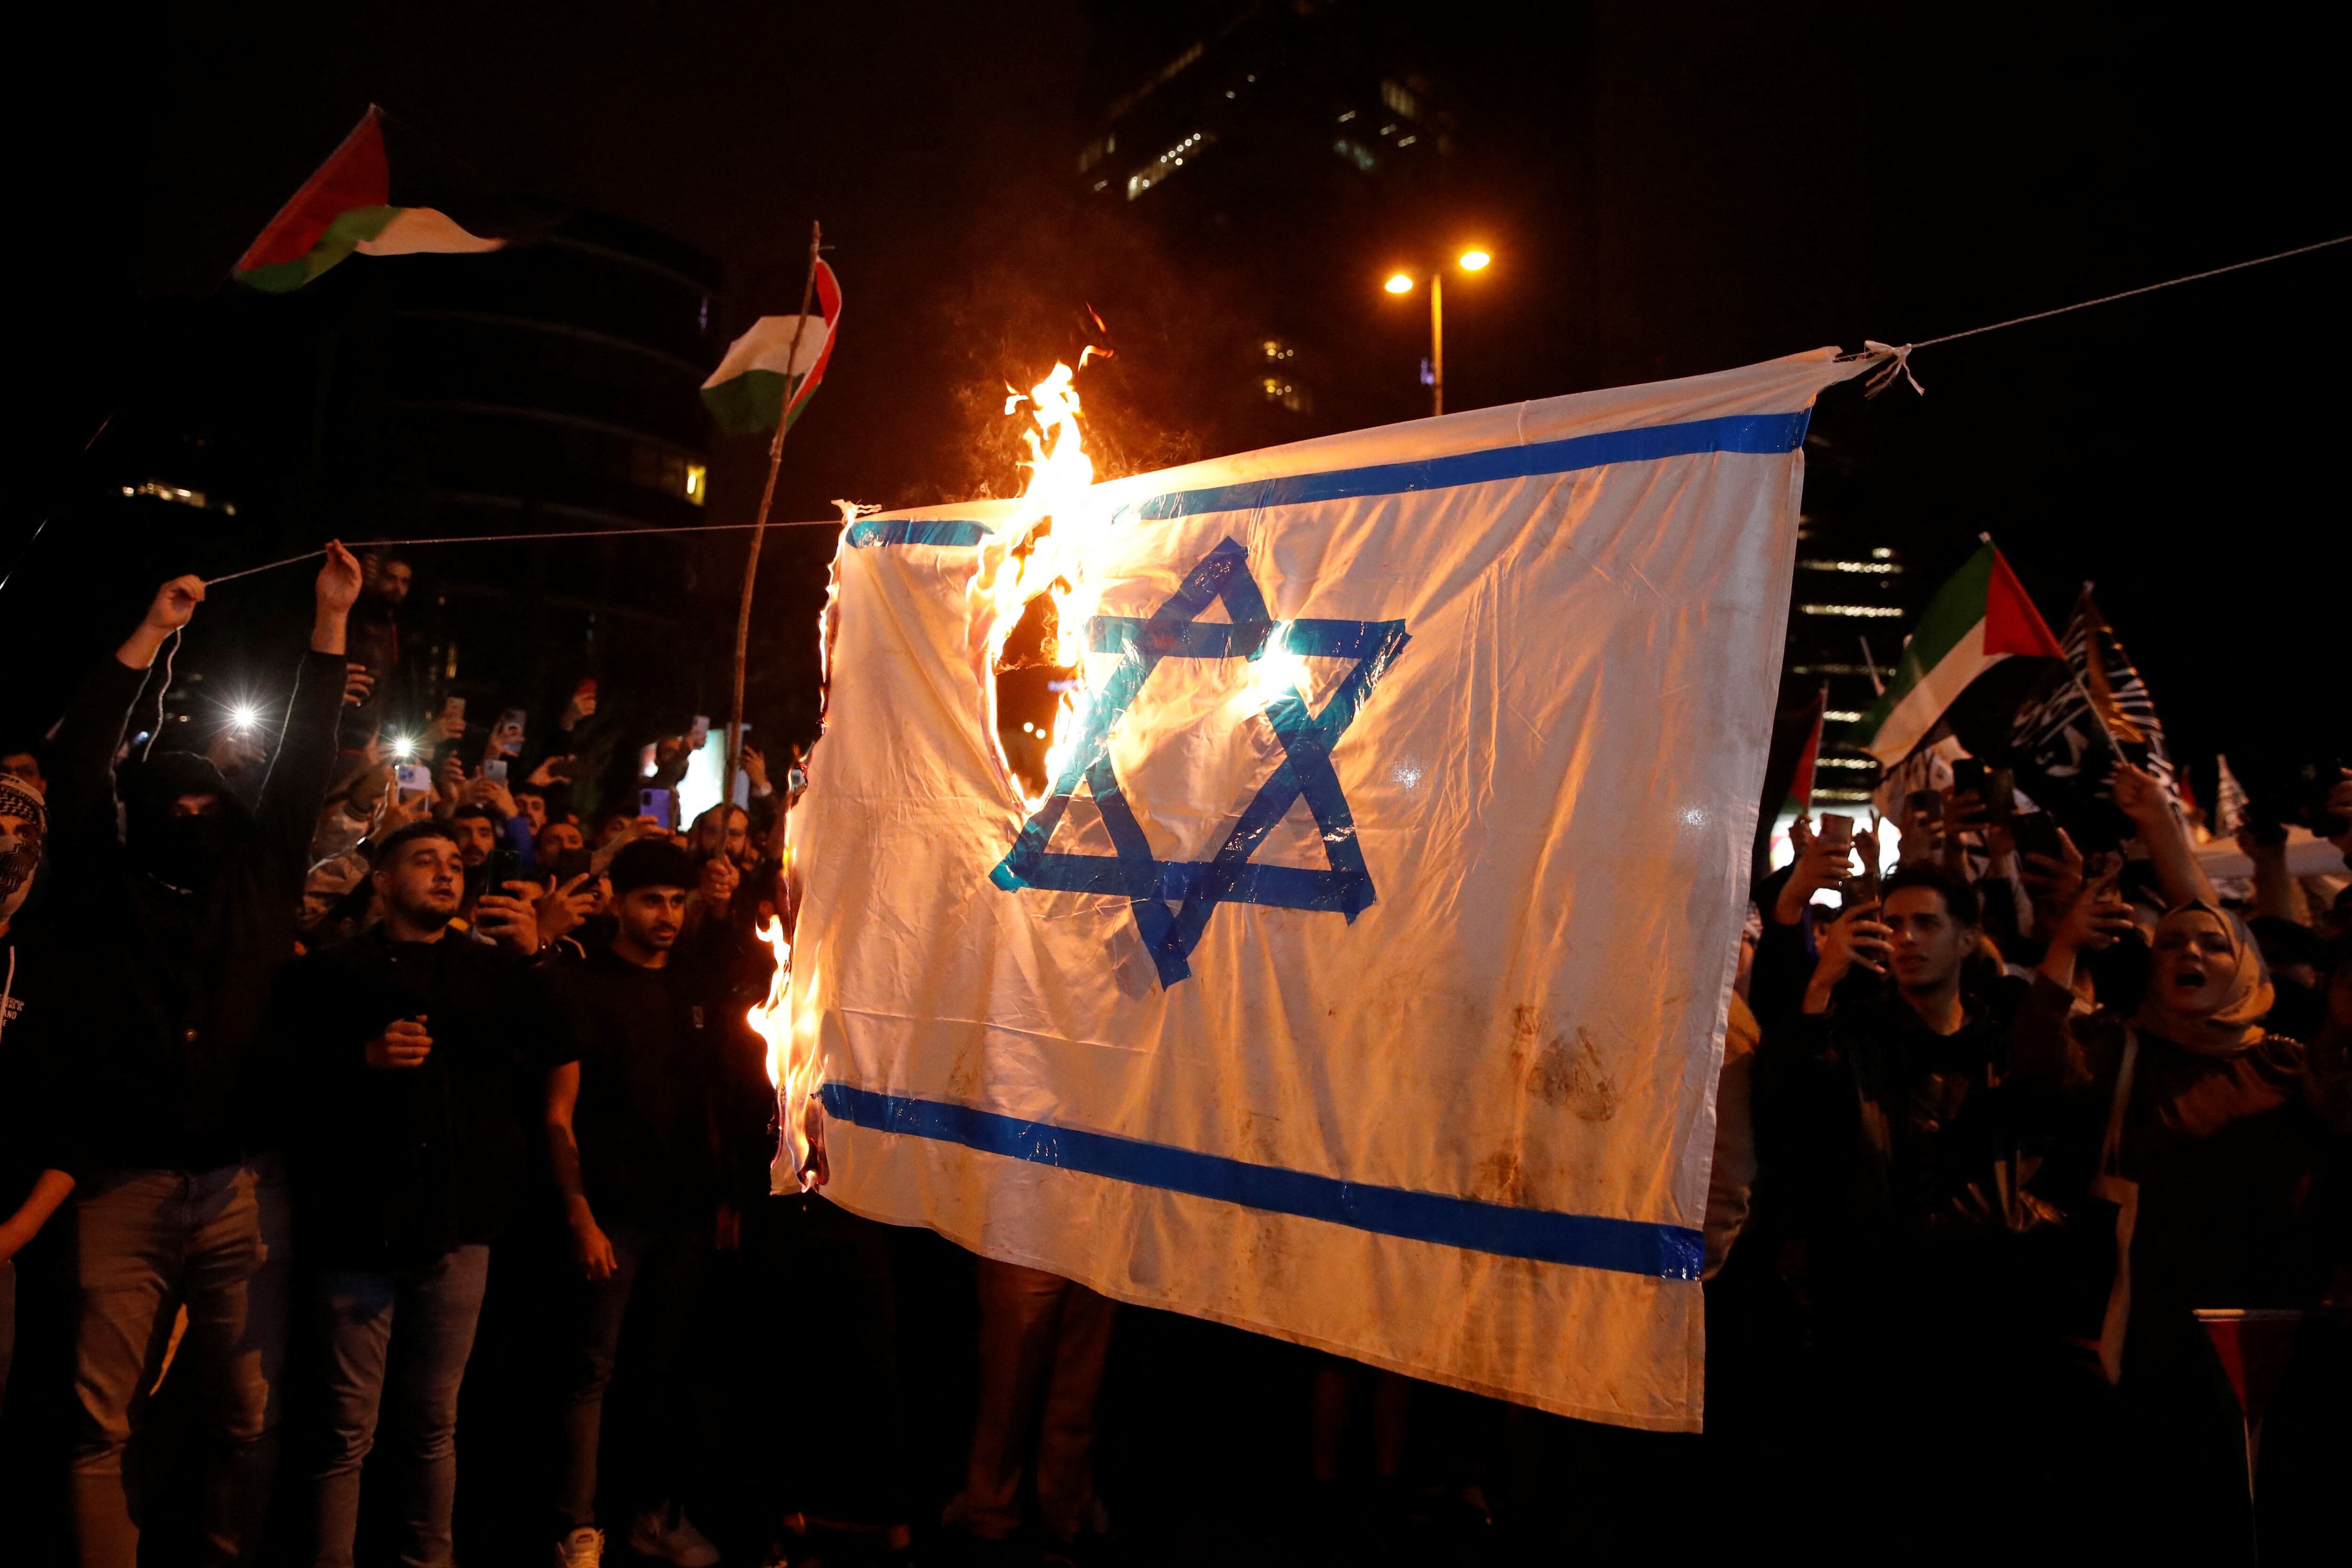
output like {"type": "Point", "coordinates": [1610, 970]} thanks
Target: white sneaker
{"type": "Point", "coordinates": [668, 1535]}
{"type": "Point", "coordinates": [583, 1548]}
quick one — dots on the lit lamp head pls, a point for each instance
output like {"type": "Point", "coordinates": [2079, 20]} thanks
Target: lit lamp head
{"type": "Point", "coordinates": [1474, 260]}
{"type": "Point", "coordinates": [1398, 283]}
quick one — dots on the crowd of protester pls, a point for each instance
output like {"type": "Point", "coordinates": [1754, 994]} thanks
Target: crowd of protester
{"type": "Point", "coordinates": [386, 1086]}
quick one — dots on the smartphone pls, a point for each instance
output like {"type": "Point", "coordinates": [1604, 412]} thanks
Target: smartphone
{"type": "Point", "coordinates": [506, 736]}
{"type": "Point", "coordinates": [1924, 805]}
{"type": "Point", "coordinates": [413, 778]}
{"type": "Point", "coordinates": [495, 770]}
{"type": "Point", "coordinates": [574, 863]}
{"type": "Point", "coordinates": [454, 708]}
{"type": "Point", "coordinates": [655, 803]}
{"type": "Point", "coordinates": [502, 867]}
{"type": "Point", "coordinates": [699, 731]}
{"type": "Point", "coordinates": [1969, 776]}
{"type": "Point", "coordinates": [1836, 827]}
{"type": "Point", "coordinates": [1999, 796]}
{"type": "Point", "coordinates": [2037, 834]}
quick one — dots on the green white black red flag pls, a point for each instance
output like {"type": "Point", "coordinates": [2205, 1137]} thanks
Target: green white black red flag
{"type": "Point", "coordinates": [1977, 619]}
{"type": "Point", "coordinates": [769, 375]}
{"type": "Point", "coordinates": [346, 207]}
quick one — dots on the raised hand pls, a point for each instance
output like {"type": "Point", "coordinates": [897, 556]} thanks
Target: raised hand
{"type": "Point", "coordinates": [338, 587]}
{"type": "Point", "coordinates": [175, 604]}
{"type": "Point", "coordinates": [566, 907]}
{"type": "Point", "coordinates": [1856, 938]}
{"type": "Point", "coordinates": [511, 917]}
{"type": "Point", "coordinates": [719, 880]}
{"type": "Point", "coordinates": [1821, 862]}
{"type": "Point", "coordinates": [2096, 918]}
{"type": "Point", "coordinates": [2138, 795]}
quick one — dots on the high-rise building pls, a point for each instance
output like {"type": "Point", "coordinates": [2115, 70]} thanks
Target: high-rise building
{"type": "Point", "coordinates": [1292, 145]}
{"type": "Point", "coordinates": [546, 389]}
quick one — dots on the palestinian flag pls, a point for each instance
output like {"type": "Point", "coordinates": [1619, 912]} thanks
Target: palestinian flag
{"type": "Point", "coordinates": [346, 207]}
{"type": "Point", "coordinates": [1789, 766]}
{"type": "Point", "coordinates": [766, 377]}
{"type": "Point", "coordinates": [1800, 781]}
{"type": "Point", "coordinates": [1976, 620]}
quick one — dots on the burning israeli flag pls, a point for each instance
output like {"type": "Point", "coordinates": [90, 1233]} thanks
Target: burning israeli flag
{"type": "Point", "coordinates": [1360, 975]}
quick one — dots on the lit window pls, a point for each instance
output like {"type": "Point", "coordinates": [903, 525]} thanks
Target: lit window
{"type": "Point", "coordinates": [1399, 100]}
{"type": "Point", "coordinates": [1407, 140]}
{"type": "Point", "coordinates": [1841, 715]}
{"type": "Point", "coordinates": [1882, 553]}
{"type": "Point", "coordinates": [1159, 168]}
{"type": "Point", "coordinates": [1356, 153]}
{"type": "Point", "coordinates": [178, 494]}
{"type": "Point", "coordinates": [1347, 117]}
{"type": "Point", "coordinates": [1845, 762]}
{"type": "Point", "coordinates": [697, 481]}
{"type": "Point", "coordinates": [1859, 612]}
{"type": "Point", "coordinates": [1874, 568]}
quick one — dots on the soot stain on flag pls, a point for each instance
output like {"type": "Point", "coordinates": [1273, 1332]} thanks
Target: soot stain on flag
{"type": "Point", "coordinates": [1501, 1180]}
{"type": "Point", "coordinates": [1562, 1073]}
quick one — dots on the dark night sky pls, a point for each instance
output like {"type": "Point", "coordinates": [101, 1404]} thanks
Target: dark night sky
{"type": "Point", "coordinates": [1671, 189]}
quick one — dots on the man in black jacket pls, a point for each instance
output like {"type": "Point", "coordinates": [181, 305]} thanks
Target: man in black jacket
{"type": "Point", "coordinates": [403, 1047]}
{"type": "Point", "coordinates": [163, 939]}
{"type": "Point", "coordinates": [1903, 1166]}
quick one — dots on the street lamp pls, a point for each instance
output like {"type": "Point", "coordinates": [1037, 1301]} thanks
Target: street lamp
{"type": "Point", "coordinates": [1471, 260]}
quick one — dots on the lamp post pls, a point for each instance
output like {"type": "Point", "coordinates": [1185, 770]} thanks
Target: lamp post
{"type": "Point", "coordinates": [1471, 260]}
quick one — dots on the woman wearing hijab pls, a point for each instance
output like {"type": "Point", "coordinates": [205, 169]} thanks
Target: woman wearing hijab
{"type": "Point", "coordinates": [2206, 1144]}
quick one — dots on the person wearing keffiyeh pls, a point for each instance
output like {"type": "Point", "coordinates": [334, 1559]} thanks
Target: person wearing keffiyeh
{"type": "Point", "coordinates": [31, 1184]}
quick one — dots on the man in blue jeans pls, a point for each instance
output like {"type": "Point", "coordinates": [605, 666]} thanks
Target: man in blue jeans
{"type": "Point", "coordinates": [165, 933]}
{"type": "Point", "coordinates": [405, 1047]}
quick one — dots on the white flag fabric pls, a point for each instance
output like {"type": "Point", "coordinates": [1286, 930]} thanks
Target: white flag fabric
{"type": "Point", "coordinates": [1362, 980]}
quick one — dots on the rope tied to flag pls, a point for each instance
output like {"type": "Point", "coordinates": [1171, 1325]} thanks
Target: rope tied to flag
{"type": "Point", "coordinates": [1884, 377]}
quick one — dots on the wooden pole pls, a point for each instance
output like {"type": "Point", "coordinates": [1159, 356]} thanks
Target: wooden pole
{"type": "Point", "coordinates": [767, 499]}
{"type": "Point", "coordinates": [1436, 342]}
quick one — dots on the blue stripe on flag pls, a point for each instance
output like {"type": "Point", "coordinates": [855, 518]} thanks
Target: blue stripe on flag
{"type": "Point", "coordinates": [1582, 1241]}
{"type": "Point", "coordinates": [1754, 433]}
{"type": "Point", "coordinates": [868, 532]}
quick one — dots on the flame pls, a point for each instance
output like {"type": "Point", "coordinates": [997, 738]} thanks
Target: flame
{"type": "Point", "coordinates": [1050, 561]}
{"type": "Point", "coordinates": [792, 1075]}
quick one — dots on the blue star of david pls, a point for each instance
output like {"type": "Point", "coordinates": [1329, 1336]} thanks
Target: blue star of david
{"type": "Point", "coordinates": [1172, 900]}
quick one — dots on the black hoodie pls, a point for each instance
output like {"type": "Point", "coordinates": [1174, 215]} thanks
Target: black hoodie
{"type": "Point", "coordinates": [162, 963]}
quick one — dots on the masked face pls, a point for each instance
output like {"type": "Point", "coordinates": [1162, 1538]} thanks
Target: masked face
{"type": "Point", "coordinates": [21, 824]}
{"type": "Point", "coordinates": [190, 844]}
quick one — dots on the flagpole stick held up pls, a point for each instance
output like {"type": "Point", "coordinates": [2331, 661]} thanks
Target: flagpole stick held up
{"type": "Point", "coordinates": [760, 533]}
